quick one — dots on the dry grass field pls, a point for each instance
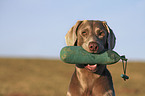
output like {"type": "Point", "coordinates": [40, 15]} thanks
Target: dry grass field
{"type": "Point", "coordinates": [42, 77]}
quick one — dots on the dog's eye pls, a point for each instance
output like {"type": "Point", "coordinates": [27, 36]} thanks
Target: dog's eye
{"type": "Point", "coordinates": [101, 34]}
{"type": "Point", "coordinates": [84, 33]}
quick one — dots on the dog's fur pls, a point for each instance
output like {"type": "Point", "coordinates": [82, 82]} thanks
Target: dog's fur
{"type": "Point", "coordinates": [91, 80]}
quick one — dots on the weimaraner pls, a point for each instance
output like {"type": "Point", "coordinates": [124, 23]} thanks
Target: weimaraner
{"type": "Point", "coordinates": [91, 80]}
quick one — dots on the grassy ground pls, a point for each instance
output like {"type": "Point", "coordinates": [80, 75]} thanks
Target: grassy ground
{"type": "Point", "coordinates": [39, 77]}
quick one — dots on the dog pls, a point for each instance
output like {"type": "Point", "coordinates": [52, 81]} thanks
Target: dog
{"type": "Point", "coordinates": [91, 80]}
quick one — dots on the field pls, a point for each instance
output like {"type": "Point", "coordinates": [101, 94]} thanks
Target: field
{"type": "Point", "coordinates": [44, 77]}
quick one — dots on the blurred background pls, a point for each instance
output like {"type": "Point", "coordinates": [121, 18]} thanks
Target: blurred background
{"type": "Point", "coordinates": [32, 34]}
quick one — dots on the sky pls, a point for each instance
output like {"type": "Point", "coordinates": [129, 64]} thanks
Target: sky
{"type": "Point", "coordinates": [37, 28]}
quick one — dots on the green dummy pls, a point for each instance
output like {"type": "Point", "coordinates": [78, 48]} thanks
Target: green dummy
{"type": "Point", "coordinates": [77, 55]}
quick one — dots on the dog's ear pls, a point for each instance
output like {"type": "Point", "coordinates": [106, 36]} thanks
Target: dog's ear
{"type": "Point", "coordinates": [111, 39]}
{"type": "Point", "coordinates": [71, 36]}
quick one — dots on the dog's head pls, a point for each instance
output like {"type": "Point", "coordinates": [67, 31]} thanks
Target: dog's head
{"type": "Point", "coordinates": [93, 36]}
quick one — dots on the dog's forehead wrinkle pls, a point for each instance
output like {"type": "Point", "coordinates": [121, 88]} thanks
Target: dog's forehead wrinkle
{"type": "Point", "coordinates": [92, 23]}
{"type": "Point", "coordinates": [84, 28]}
{"type": "Point", "coordinates": [86, 25]}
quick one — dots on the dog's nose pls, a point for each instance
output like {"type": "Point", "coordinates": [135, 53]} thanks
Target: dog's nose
{"type": "Point", "coordinates": [93, 46]}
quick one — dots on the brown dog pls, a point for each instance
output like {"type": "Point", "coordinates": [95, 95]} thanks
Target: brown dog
{"type": "Point", "coordinates": [91, 80]}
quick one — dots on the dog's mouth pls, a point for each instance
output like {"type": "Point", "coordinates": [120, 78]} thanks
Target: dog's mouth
{"type": "Point", "coordinates": [92, 68]}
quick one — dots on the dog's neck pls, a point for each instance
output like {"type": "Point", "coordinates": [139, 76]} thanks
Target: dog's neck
{"type": "Point", "coordinates": [86, 77]}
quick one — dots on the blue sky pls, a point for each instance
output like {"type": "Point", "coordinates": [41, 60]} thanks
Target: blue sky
{"type": "Point", "coordinates": [36, 28]}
